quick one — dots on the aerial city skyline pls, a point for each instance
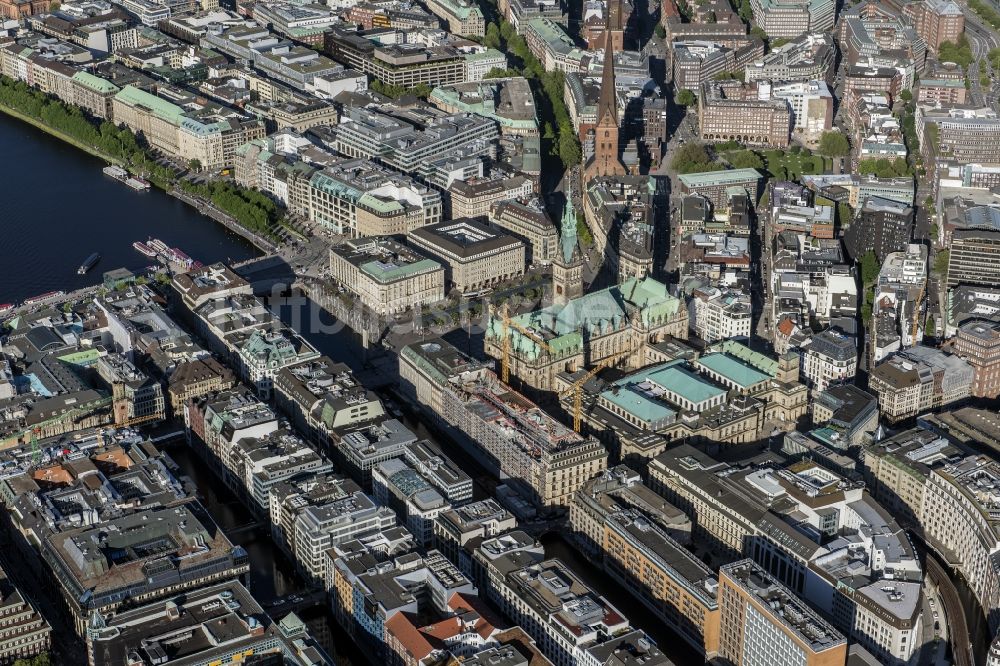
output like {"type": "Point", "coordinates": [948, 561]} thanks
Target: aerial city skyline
{"type": "Point", "coordinates": [500, 332]}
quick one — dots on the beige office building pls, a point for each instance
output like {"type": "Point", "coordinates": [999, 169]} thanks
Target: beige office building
{"type": "Point", "coordinates": [185, 127]}
{"type": "Point", "coordinates": [763, 622]}
{"type": "Point", "coordinates": [386, 276]}
{"type": "Point", "coordinates": [530, 223]}
{"type": "Point", "coordinates": [475, 197]}
{"type": "Point", "coordinates": [733, 111]}
{"type": "Point", "coordinates": [474, 255]}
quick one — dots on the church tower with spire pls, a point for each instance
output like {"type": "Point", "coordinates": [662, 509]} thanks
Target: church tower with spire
{"type": "Point", "coordinates": [605, 160]}
{"type": "Point", "coordinates": [567, 267]}
{"type": "Point", "coordinates": [615, 25]}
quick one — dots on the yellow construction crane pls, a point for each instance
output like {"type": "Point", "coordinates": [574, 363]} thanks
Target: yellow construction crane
{"type": "Point", "coordinates": [118, 393]}
{"type": "Point", "coordinates": [507, 324]}
{"type": "Point", "coordinates": [137, 420]}
{"type": "Point", "coordinates": [577, 388]}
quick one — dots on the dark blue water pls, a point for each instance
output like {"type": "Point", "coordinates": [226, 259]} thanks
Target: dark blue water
{"type": "Point", "coordinates": [58, 207]}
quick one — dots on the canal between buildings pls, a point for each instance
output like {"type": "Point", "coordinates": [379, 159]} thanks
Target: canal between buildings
{"type": "Point", "coordinates": [271, 574]}
{"type": "Point", "coordinates": [59, 207]}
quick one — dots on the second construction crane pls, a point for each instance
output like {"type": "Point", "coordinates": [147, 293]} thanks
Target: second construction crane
{"type": "Point", "coordinates": [508, 323]}
{"type": "Point", "coordinates": [576, 388]}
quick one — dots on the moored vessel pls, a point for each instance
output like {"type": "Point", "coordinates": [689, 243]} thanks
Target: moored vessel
{"type": "Point", "coordinates": [116, 172]}
{"type": "Point", "coordinates": [41, 298]}
{"type": "Point", "coordinates": [88, 263]}
{"type": "Point", "coordinates": [144, 249]}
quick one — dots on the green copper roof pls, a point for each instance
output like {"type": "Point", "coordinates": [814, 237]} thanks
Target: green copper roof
{"type": "Point", "coordinates": [482, 105]}
{"type": "Point", "coordinates": [488, 54]}
{"type": "Point", "coordinates": [85, 357]}
{"type": "Point", "coordinates": [711, 178]}
{"type": "Point", "coordinates": [639, 404]}
{"type": "Point", "coordinates": [273, 351]}
{"type": "Point", "coordinates": [95, 83]}
{"type": "Point", "coordinates": [335, 187]}
{"type": "Point", "coordinates": [459, 8]}
{"type": "Point", "coordinates": [740, 373]}
{"type": "Point", "coordinates": [552, 33]}
{"type": "Point", "coordinates": [384, 273]}
{"type": "Point", "coordinates": [593, 314]}
{"type": "Point", "coordinates": [160, 107]}
{"type": "Point", "coordinates": [413, 356]}
{"type": "Point", "coordinates": [567, 229]}
{"type": "Point", "coordinates": [762, 362]}
{"type": "Point", "coordinates": [379, 205]}
{"type": "Point", "coordinates": [943, 83]}
{"type": "Point", "coordinates": [292, 625]}
{"type": "Point", "coordinates": [674, 377]}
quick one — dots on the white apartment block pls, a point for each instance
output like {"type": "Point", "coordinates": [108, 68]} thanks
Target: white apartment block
{"type": "Point", "coordinates": [811, 103]}
{"type": "Point", "coordinates": [831, 357]}
{"type": "Point", "coordinates": [714, 315]}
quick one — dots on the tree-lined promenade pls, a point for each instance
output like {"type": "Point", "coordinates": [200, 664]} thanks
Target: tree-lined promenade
{"type": "Point", "coordinates": [251, 209]}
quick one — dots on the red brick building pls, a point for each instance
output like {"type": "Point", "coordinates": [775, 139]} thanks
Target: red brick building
{"type": "Point", "coordinates": [978, 342]}
{"type": "Point", "coordinates": [936, 21]}
{"type": "Point", "coordinates": [18, 9]}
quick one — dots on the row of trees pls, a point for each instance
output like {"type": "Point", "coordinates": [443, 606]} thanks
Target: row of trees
{"type": "Point", "coordinates": [252, 209]}
{"type": "Point", "coordinates": [118, 144]}
{"type": "Point", "coordinates": [685, 97]}
{"type": "Point", "coordinates": [549, 88]}
{"type": "Point", "coordinates": [501, 73]}
{"type": "Point", "coordinates": [833, 144]}
{"type": "Point", "coordinates": [883, 167]}
{"type": "Point", "coordinates": [960, 52]}
{"type": "Point", "coordinates": [780, 164]}
{"type": "Point", "coordinates": [745, 159]}
{"type": "Point", "coordinates": [583, 231]}
{"type": "Point", "coordinates": [869, 276]}
{"type": "Point", "coordinates": [745, 10]}
{"type": "Point", "coordinates": [993, 56]}
{"type": "Point", "coordinates": [693, 158]}
{"type": "Point", "coordinates": [38, 660]}
{"type": "Point", "coordinates": [986, 12]}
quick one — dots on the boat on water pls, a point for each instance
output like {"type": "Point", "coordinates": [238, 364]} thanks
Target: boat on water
{"type": "Point", "coordinates": [144, 249]}
{"type": "Point", "coordinates": [177, 256]}
{"type": "Point", "coordinates": [88, 263]}
{"type": "Point", "coordinates": [116, 172]}
{"type": "Point", "coordinates": [122, 176]}
{"type": "Point", "coordinates": [41, 298]}
{"type": "Point", "coordinates": [167, 254]}
{"type": "Point", "coordinates": [138, 184]}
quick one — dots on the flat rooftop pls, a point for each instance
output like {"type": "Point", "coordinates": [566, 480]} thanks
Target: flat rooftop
{"type": "Point", "coordinates": [798, 618]}
{"type": "Point", "coordinates": [462, 238]}
{"type": "Point", "coordinates": [740, 373]}
{"type": "Point", "coordinates": [385, 260]}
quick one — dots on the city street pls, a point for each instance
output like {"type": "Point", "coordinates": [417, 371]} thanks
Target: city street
{"type": "Point", "coordinates": [298, 408]}
{"type": "Point", "coordinates": [982, 39]}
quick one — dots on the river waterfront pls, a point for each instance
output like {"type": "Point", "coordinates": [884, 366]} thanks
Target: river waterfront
{"type": "Point", "coordinates": [58, 208]}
